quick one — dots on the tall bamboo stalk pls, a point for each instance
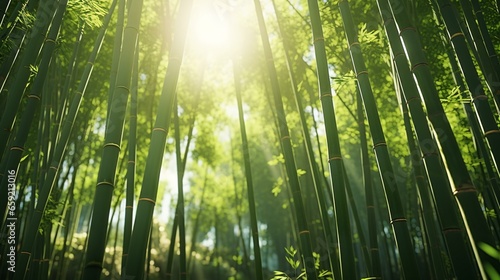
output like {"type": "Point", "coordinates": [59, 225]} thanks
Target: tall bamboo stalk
{"type": "Point", "coordinates": [180, 196]}
{"type": "Point", "coordinates": [248, 173]}
{"type": "Point", "coordinates": [45, 13]}
{"type": "Point", "coordinates": [396, 212]}
{"type": "Point", "coordinates": [113, 136]}
{"type": "Point", "coordinates": [463, 189]}
{"type": "Point", "coordinates": [318, 180]}
{"type": "Point", "coordinates": [368, 187]}
{"type": "Point", "coordinates": [473, 81]}
{"type": "Point", "coordinates": [131, 164]}
{"type": "Point", "coordinates": [286, 146]}
{"type": "Point", "coordinates": [437, 177]}
{"type": "Point", "coordinates": [147, 200]}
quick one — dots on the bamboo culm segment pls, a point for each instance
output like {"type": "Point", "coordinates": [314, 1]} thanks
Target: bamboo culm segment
{"type": "Point", "coordinates": [446, 207]}
{"type": "Point", "coordinates": [111, 150]}
{"type": "Point", "coordinates": [149, 190]}
{"type": "Point", "coordinates": [248, 174]}
{"type": "Point", "coordinates": [45, 12]}
{"type": "Point", "coordinates": [319, 182]}
{"type": "Point", "coordinates": [477, 224]}
{"type": "Point", "coordinates": [473, 81]}
{"type": "Point", "coordinates": [344, 234]}
{"type": "Point", "coordinates": [286, 146]}
{"type": "Point", "coordinates": [398, 220]}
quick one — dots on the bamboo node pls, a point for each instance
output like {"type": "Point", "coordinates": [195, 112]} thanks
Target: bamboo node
{"type": "Point", "coordinates": [124, 87]}
{"type": "Point", "coordinates": [334, 158]}
{"type": "Point", "coordinates": [482, 96]}
{"type": "Point", "coordinates": [160, 129]}
{"type": "Point", "coordinates": [353, 43]}
{"type": "Point", "coordinates": [34, 96]}
{"type": "Point", "coordinates": [464, 190]}
{"type": "Point", "coordinates": [406, 29]}
{"type": "Point", "coordinates": [131, 161]}
{"type": "Point", "coordinates": [49, 40]}
{"type": "Point", "coordinates": [79, 92]}
{"type": "Point", "coordinates": [456, 35]}
{"type": "Point", "coordinates": [105, 183]}
{"type": "Point", "coordinates": [417, 65]}
{"type": "Point", "coordinates": [147, 199]}
{"type": "Point", "coordinates": [304, 232]}
{"type": "Point", "coordinates": [90, 63]}
{"type": "Point", "coordinates": [397, 55]}
{"type": "Point", "coordinates": [285, 137]}
{"type": "Point", "coordinates": [53, 167]}
{"type": "Point", "coordinates": [112, 145]}
{"type": "Point", "coordinates": [448, 230]}
{"type": "Point", "coordinates": [379, 144]}
{"type": "Point", "coordinates": [327, 94]}
{"type": "Point", "coordinates": [132, 27]}
{"type": "Point", "coordinates": [361, 73]}
{"type": "Point", "coordinates": [429, 154]}
{"type": "Point", "coordinates": [319, 39]}
{"type": "Point", "coordinates": [388, 20]}
{"type": "Point", "coordinates": [412, 99]}
{"type": "Point", "coordinates": [129, 207]}
{"type": "Point", "coordinates": [398, 220]}
{"type": "Point", "coordinates": [491, 132]}
{"type": "Point", "coordinates": [98, 264]}
{"type": "Point", "coordinates": [26, 253]}
{"type": "Point", "coordinates": [16, 148]}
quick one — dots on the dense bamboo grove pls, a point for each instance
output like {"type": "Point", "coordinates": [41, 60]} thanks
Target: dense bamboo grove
{"type": "Point", "coordinates": [230, 139]}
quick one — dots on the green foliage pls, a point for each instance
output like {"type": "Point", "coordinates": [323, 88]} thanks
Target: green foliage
{"type": "Point", "coordinates": [495, 253]}
{"type": "Point", "coordinates": [294, 263]}
{"type": "Point", "coordinates": [88, 11]}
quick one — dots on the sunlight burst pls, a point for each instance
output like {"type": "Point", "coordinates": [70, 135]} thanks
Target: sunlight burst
{"type": "Point", "coordinates": [209, 27]}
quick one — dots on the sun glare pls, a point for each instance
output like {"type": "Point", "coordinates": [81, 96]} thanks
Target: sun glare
{"type": "Point", "coordinates": [209, 27]}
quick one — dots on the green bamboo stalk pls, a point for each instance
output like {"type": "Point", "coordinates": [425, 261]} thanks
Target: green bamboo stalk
{"type": "Point", "coordinates": [397, 216]}
{"type": "Point", "coordinates": [490, 48]}
{"type": "Point", "coordinates": [473, 81]}
{"type": "Point", "coordinates": [180, 195]}
{"type": "Point", "coordinates": [248, 173]}
{"type": "Point", "coordinates": [426, 200]}
{"type": "Point", "coordinates": [286, 146]}
{"type": "Point", "coordinates": [368, 186]}
{"type": "Point", "coordinates": [344, 235]}
{"type": "Point", "coordinates": [246, 264]}
{"type": "Point", "coordinates": [476, 222]}
{"type": "Point", "coordinates": [318, 183]}
{"type": "Point", "coordinates": [4, 6]}
{"type": "Point", "coordinates": [45, 13]}
{"type": "Point", "coordinates": [117, 48]}
{"type": "Point", "coordinates": [147, 200]}
{"type": "Point", "coordinates": [451, 228]}
{"type": "Point", "coordinates": [357, 222]}
{"type": "Point", "coordinates": [482, 56]}
{"type": "Point", "coordinates": [15, 156]}
{"type": "Point", "coordinates": [463, 189]}
{"type": "Point", "coordinates": [16, 151]}
{"type": "Point", "coordinates": [131, 164]}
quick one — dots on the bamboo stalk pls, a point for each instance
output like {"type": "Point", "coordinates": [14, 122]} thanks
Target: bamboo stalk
{"type": "Point", "coordinates": [396, 212]}
{"type": "Point", "coordinates": [147, 200]}
{"type": "Point", "coordinates": [344, 236]}
{"type": "Point", "coordinates": [248, 173]}
{"type": "Point", "coordinates": [286, 146]}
